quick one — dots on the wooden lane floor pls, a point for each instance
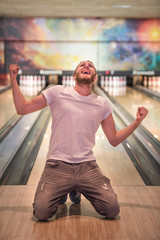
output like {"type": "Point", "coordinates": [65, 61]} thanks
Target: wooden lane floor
{"type": "Point", "coordinates": [41, 158]}
{"type": "Point", "coordinates": [133, 99]}
{"type": "Point", "coordinates": [139, 218]}
{"type": "Point", "coordinates": [115, 162]}
{"type": "Point", "coordinates": [7, 108]}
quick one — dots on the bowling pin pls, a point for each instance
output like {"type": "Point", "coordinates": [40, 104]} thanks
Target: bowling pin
{"type": "Point", "coordinates": [102, 83]}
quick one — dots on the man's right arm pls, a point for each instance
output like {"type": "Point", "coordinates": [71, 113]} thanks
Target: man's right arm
{"type": "Point", "coordinates": [22, 105]}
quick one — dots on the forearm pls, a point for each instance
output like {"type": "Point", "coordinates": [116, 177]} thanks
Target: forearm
{"type": "Point", "coordinates": [18, 97]}
{"type": "Point", "coordinates": [22, 106]}
{"type": "Point", "coordinates": [115, 137]}
{"type": "Point", "coordinates": [121, 135]}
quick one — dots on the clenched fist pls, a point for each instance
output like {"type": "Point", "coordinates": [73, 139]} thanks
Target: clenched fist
{"type": "Point", "coordinates": [141, 114]}
{"type": "Point", "coordinates": [13, 70]}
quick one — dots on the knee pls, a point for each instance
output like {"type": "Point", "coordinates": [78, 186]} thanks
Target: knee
{"type": "Point", "coordinates": [109, 210]}
{"type": "Point", "coordinates": [43, 212]}
{"type": "Point", "coordinates": [113, 210]}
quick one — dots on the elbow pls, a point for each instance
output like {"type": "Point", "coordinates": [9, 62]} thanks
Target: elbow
{"type": "Point", "coordinates": [20, 112]}
{"type": "Point", "coordinates": [114, 143]}
{"type": "Point", "coordinates": [22, 109]}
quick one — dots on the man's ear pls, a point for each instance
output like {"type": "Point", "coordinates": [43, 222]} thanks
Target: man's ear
{"type": "Point", "coordinates": [74, 76]}
{"type": "Point", "coordinates": [95, 78]}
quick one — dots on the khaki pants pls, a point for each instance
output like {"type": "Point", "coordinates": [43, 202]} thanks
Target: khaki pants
{"type": "Point", "coordinates": [60, 178]}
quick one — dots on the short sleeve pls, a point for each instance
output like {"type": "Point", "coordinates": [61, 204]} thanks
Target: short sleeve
{"type": "Point", "coordinates": [51, 93]}
{"type": "Point", "coordinates": [107, 108]}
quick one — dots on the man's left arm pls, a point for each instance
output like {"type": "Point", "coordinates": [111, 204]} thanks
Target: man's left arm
{"type": "Point", "coordinates": [114, 137]}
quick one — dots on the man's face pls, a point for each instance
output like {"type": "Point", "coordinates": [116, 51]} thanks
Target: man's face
{"type": "Point", "coordinates": [85, 73]}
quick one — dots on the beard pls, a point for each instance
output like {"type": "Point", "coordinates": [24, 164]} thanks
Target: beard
{"type": "Point", "coordinates": [86, 81]}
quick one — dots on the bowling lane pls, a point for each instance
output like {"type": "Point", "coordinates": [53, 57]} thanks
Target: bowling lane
{"type": "Point", "coordinates": [114, 162]}
{"type": "Point", "coordinates": [41, 158]}
{"type": "Point", "coordinates": [132, 99]}
{"type": "Point", "coordinates": [7, 107]}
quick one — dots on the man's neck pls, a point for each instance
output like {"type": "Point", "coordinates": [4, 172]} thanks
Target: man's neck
{"type": "Point", "coordinates": [83, 89]}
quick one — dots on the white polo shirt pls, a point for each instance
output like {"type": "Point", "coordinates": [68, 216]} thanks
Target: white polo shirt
{"type": "Point", "coordinates": [75, 120]}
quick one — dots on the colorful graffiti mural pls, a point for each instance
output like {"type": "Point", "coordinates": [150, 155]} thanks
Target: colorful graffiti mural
{"type": "Point", "coordinates": [60, 43]}
{"type": "Point", "coordinates": [49, 55]}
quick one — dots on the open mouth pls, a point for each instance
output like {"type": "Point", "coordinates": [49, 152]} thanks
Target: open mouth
{"type": "Point", "coordinates": [85, 72]}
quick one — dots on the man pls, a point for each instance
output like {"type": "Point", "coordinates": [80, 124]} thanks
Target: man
{"type": "Point", "coordinates": [71, 167]}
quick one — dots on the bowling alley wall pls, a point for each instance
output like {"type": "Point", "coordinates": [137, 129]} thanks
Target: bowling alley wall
{"type": "Point", "coordinates": [61, 43]}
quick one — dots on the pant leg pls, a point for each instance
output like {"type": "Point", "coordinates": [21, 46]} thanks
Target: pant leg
{"type": "Point", "coordinates": [98, 190]}
{"type": "Point", "coordinates": [55, 183]}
